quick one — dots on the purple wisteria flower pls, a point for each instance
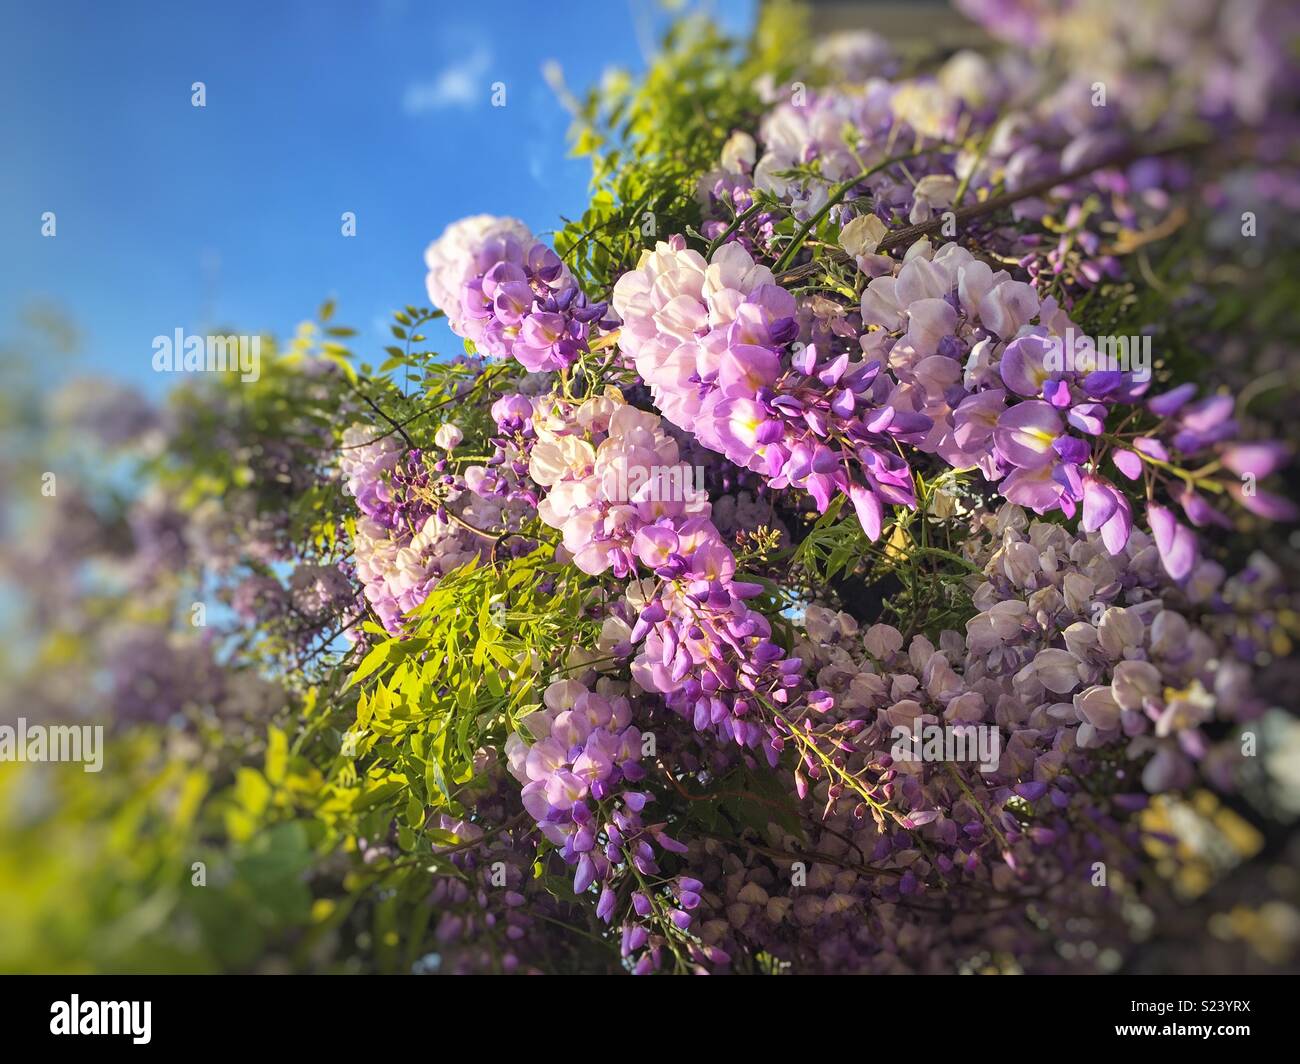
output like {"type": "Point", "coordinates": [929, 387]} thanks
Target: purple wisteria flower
{"type": "Point", "coordinates": [509, 294]}
{"type": "Point", "coordinates": [718, 345]}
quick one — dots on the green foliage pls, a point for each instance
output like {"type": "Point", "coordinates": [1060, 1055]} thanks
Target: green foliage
{"type": "Point", "coordinates": [918, 557]}
{"type": "Point", "coordinates": [97, 871]}
{"type": "Point", "coordinates": [649, 141]}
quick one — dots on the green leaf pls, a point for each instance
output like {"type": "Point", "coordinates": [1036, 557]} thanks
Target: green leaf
{"type": "Point", "coordinates": [252, 791]}
{"type": "Point", "coordinates": [277, 755]}
{"type": "Point", "coordinates": [377, 657]}
{"type": "Point", "coordinates": [378, 792]}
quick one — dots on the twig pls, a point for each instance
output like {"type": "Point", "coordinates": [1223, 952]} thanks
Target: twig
{"type": "Point", "coordinates": [410, 443]}
{"type": "Point", "coordinates": [908, 234]}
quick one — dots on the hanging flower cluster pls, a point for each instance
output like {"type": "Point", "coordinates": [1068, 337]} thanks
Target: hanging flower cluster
{"type": "Point", "coordinates": [578, 773]}
{"type": "Point", "coordinates": [702, 647]}
{"type": "Point", "coordinates": [509, 293]}
{"type": "Point", "coordinates": [419, 521]}
{"type": "Point", "coordinates": [713, 341]}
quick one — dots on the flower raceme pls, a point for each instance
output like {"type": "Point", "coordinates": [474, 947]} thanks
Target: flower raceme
{"type": "Point", "coordinates": [417, 518]}
{"type": "Point", "coordinates": [579, 765]}
{"type": "Point", "coordinates": [718, 344]}
{"type": "Point", "coordinates": [702, 647]}
{"type": "Point", "coordinates": [601, 495]}
{"type": "Point", "coordinates": [974, 351]}
{"type": "Point", "coordinates": [509, 293]}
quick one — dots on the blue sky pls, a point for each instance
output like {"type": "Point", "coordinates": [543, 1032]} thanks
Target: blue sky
{"type": "Point", "coordinates": [173, 216]}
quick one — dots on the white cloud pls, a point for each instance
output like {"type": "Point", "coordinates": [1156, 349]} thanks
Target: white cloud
{"type": "Point", "coordinates": [460, 84]}
{"type": "Point", "coordinates": [537, 163]}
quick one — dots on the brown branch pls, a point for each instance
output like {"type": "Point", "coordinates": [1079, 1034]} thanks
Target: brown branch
{"type": "Point", "coordinates": [410, 443]}
{"type": "Point", "coordinates": [908, 234]}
